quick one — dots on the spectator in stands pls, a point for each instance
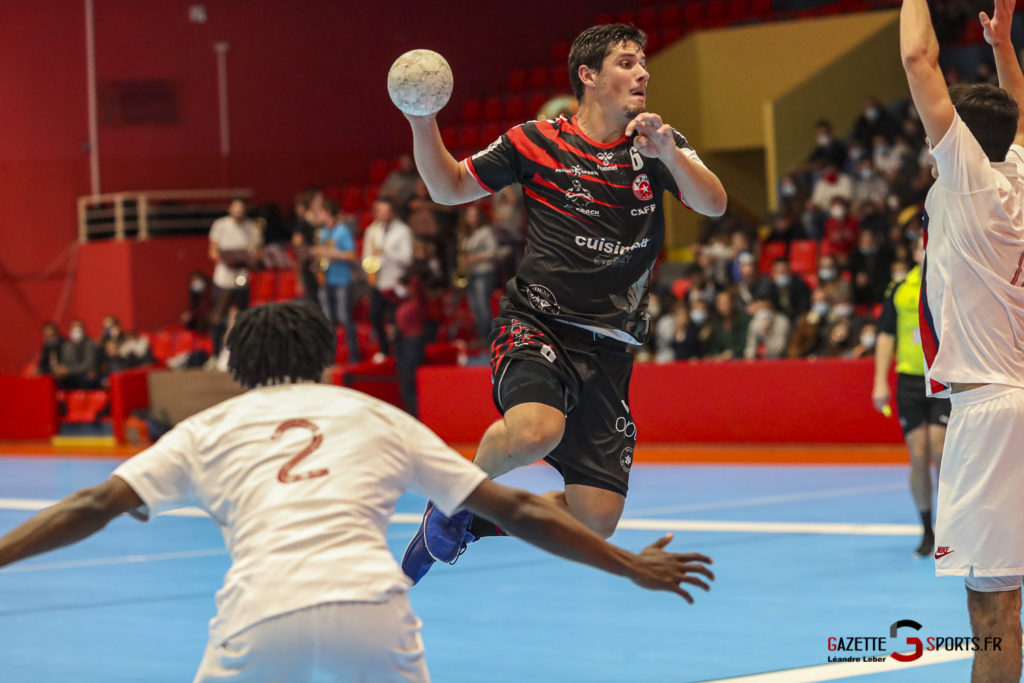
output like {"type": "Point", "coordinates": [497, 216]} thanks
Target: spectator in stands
{"type": "Point", "coordinates": [387, 253]}
{"type": "Point", "coordinates": [782, 227]}
{"type": "Point", "coordinates": [874, 120]}
{"type": "Point", "coordinates": [434, 223]}
{"type": "Point", "coordinates": [868, 186]}
{"type": "Point", "coordinates": [887, 159]}
{"type": "Point", "coordinates": [111, 329]}
{"type": "Point", "coordinates": [752, 286]}
{"type": "Point", "coordinates": [809, 329]}
{"type": "Point", "coordinates": [865, 347]}
{"type": "Point", "coordinates": [768, 332]}
{"type": "Point", "coordinates": [411, 316]}
{"type": "Point", "coordinates": [789, 293]}
{"type": "Point", "coordinates": [78, 360]}
{"type": "Point", "coordinates": [740, 247]}
{"type": "Point", "coordinates": [49, 352]}
{"type": "Point", "coordinates": [870, 265]}
{"type": "Point", "coordinates": [725, 226]}
{"type": "Point", "coordinates": [831, 184]}
{"type": "Point", "coordinates": [135, 350]}
{"type": "Point", "coordinates": [839, 339]}
{"type": "Point", "coordinates": [338, 250]}
{"type": "Point", "coordinates": [478, 249]}
{"type": "Point", "coordinates": [729, 330]}
{"type": "Point", "coordinates": [307, 204]}
{"type": "Point", "coordinates": [197, 317]}
{"type": "Point", "coordinates": [112, 361]}
{"type": "Point", "coordinates": [676, 337]}
{"type": "Point", "coordinates": [234, 241]}
{"type": "Point", "coordinates": [700, 316]}
{"type": "Point", "coordinates": [400, 185]}
{"type": "Point", "coordinates": [828, 151]}
{"type": "Point", "coordinates": [509, 217]}
{"type": "Point", "coordinates": [792, 195]}
{"type": "Point", "coordinates": [841, 229]}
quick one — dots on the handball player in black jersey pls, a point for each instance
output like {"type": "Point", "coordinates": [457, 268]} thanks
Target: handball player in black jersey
{"type": "Point", "coordinates": [560, 359]}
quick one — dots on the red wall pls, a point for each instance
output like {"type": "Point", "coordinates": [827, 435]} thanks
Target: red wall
{"type": "Point", "coordinates": [822, 401]}
{"type": "Point", "coordinates": [308, 105]}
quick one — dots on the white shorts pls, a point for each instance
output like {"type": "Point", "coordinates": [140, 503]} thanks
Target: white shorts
{"type": "Point", "coordinates": [338, 641]}
{"type": "Point", "coordinates": [979, 518]}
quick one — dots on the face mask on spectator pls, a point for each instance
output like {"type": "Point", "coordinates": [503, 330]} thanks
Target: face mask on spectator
{"type": "Point", "coordinates": [855, 153]}
{"type": "Point", "coordinates": [867, 339]}
{"type": "Point", "coordinates": [788, 190]}
{"type": "Point", "coordinates": [114, 331]}
{"type": "Point", "coordinates": [781, 280]}
{"type": "Point", "coordinates": [76, 334]}
{"type": "Point", "coordinates": [824, 139]}
{"type": "Point", "coordinates": [911, 235]}
{"type": "Point", "coordinates": [899, 275]}
{"type": "Point", "coordinates": [871, 113]}
{"type": "Point", "coordinates": [197, 286]}
{"type": "Point", "coordinates": [867, 174]}
{"type": "Point", "coordinates": [820, 308]}
{"type": "Point", "coordinates": [827, 274]}
{"type": "Point", "coordinates": [893, 202]}
{"type": "Point", "coordinates": [843, 310]}
{"type": "Point", "coordinates": [699, 317]}
{"type": "Point", "coordinates": [838, 212]}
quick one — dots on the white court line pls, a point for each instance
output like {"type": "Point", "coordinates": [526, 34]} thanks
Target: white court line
{"type": "Point", "coordinates": [771, 500]}
{"type": "Point", "coordinates": [121, 559]}
{"type": "Point", "coordinates": [632, 524]}
{"type": "Point", "coordinates": [832, 672]}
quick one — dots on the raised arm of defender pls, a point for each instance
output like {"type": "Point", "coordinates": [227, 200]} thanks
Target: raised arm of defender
{"type": "Point", "coordinates": [919, 49]}
{"type": "Point", "coordinates": [997, 34]}
{"type": "Point", "coordinates": [700, 188]}
{"type": "Point", "coordinates": [448, 180]}
{"type": "Point", "coordinates": [542, 523]}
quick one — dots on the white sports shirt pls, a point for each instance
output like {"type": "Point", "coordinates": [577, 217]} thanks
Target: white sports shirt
{"type": "Point", "coordinates": [302, 479]}
{"type": "Point", "coordinates": [972, 291]}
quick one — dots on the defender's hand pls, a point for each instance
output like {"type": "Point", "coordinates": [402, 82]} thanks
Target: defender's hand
{"type": "Point", "coordinates": [661, 571]}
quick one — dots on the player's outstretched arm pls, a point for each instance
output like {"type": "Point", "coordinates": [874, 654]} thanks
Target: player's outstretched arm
{"type": "Point", "coordinates": [448, 180]}
{"type": "Point", "coordinates": [997, 34]}
{"type": "Point", "coordinates": [919, 49]}
{"type": "Point", "coordinates": [701, 188]}
{"type": "Point", "coordinates": [78, 516]}
{"type": "Point", "coordinates": [543, 524]}
{"type": "Point", "coordinates": [885, 346]}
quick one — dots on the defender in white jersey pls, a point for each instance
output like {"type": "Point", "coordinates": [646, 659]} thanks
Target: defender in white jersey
{"type": "Point", "coordinates": [972, 329]}
{"type": "Point", "coordinates": [303, 478]}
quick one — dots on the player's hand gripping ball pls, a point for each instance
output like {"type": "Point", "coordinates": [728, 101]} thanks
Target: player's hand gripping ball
{"type": "Point", "coordinates": [420, 82]}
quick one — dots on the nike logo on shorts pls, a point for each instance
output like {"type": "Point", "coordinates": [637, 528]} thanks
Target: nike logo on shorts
{"type": "Point", "coordinates": [942, 551]}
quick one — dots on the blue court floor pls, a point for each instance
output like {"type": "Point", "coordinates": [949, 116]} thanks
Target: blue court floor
{"type": "Point", "coordinates": [802, 554]}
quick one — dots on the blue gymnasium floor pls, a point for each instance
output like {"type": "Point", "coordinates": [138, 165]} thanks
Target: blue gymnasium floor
{"type": "Point", "coordinates": [801, 554]}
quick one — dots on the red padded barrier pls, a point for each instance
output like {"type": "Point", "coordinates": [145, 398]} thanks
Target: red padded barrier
{"type": "Point", "coordinates": [129, 390]}
{"type": "Point", "coordinates": [784, 401]}
{"type": "Point", "coordinates": [27, 408]}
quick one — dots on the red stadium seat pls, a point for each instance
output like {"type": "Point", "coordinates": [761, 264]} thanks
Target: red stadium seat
{"type": "Point", "coordinates": [262, 286]}
{"type": "Point", "coordinates": [538, 78]}
{"type": "Point", "coordinates": [670, 16]}
{"type": "Point", "coordinates": [769, 252]}
{"type": "Point", "coordinates": [471, 111]}
{"type": "Point", "coordinates": [515, 107]}
{"type": "Point", "coordinates": [450, 136]}
{"type": "Point", "coordinates": [352, 199]}
{"type": "Point", "coordinates": [370, 193]}
{"type": "Point", "coordinates": [379, 170]}
{"type": "Point", "coordinates": [648, 19]}
{"type": "Point", "coordinates": [183, 342]}
{"type": "Point", "coordinates": [77, 405]}
{"type": "Point", "coordinates": [803, 256]}
{"type": "Point", "coordinates": [160, 345]}
{"type": "Point", "coordinates": [469, 137]}
{"type": "Point", "coordinates": [493, 108]}
{"type": "Point", "coordinates": [560, 51]}
{"type": "Point", "coordinates": [287, 288]}
{"type": "Point", "coordinates": [516, 81]}
{"type": "Point", "coordinates": [560, 76]}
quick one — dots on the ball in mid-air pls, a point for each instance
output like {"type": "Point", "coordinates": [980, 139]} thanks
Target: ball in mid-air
{"type": "Point", "coordinates": [420, 82]}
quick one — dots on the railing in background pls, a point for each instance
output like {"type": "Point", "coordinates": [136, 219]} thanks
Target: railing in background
{"type": "Point", "coordinates": [144, 214]}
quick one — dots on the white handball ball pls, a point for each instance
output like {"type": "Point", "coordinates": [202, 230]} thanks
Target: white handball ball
{"type": "Point", "coordinates": [420, 82]}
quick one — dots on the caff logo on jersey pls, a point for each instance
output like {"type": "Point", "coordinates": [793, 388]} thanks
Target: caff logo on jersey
{"type": "Point", "coordinates": [642, 188]}
{"type": "Point", "coordinates": [543, 299]}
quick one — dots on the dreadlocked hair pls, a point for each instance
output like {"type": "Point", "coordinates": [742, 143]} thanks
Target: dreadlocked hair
{"type": "Point", "coordinates": [280, 342]}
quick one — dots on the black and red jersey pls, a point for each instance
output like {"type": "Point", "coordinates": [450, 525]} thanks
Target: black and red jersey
{"type": "Point", "coordinates": [595, 222]}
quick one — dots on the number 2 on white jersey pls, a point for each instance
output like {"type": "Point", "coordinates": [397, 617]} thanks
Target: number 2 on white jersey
{"type": "Point", "coordinates": [284, 475]}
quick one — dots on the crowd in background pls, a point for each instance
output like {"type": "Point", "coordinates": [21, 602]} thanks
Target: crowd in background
{"type": "Point", "coordinates": [416, 264]}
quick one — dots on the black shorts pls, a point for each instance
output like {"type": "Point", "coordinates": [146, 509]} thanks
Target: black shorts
{"type": "Point", "coordinates": [914, 406]}
{"type": "Point", "coordinates": [584, 375]}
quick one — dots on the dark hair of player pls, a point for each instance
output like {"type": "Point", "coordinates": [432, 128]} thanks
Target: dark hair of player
{"type": "Point", "coordinates": [279, 343]}
{"type": "Point", "coordinates": [989, 113]}
{"type": "Point", "coordinates": [594, 44]}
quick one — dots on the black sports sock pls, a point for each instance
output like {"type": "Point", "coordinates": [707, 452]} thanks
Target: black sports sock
{"type": "Point", "coordinates": [481, 527]}
{"type": "Point", "coordinates": [926, 520]}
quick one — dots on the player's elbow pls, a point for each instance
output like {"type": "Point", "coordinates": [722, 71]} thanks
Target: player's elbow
{"type": "Point", "coordinates": [718, 204]}
{"type": "Point", "coordinates": [918, 58]}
